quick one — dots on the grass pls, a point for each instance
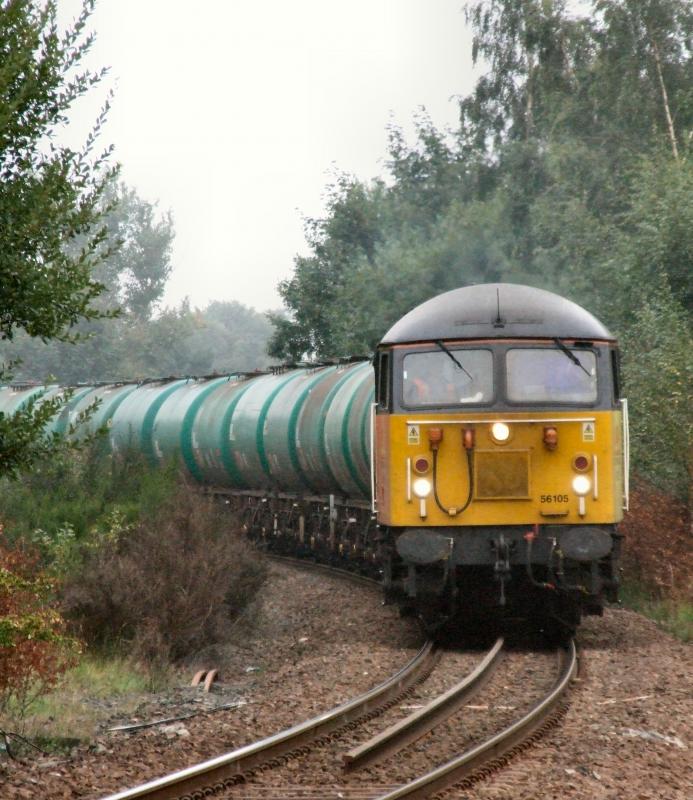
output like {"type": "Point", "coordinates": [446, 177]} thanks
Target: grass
{"type": "Point", "coordinates": [90, 692]}
{"type": "Point", "coordinates": [675, 616]}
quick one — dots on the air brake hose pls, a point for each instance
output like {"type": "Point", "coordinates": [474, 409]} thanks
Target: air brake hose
{"type": "Point", "coordinates": [529, 537]}
{"type": "Point", "coordinates": [470, 476]}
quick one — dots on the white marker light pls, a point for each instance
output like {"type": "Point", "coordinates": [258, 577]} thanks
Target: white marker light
{"type": "Point", "coordinates": [581, 485]}
{"type": "Point", "coordinates": [500, 431]}
{"type": "Point", "coordinates": [422, 487]}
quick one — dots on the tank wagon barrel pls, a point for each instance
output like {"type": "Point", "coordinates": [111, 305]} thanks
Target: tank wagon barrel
{"type": "Point", "coordinates": [299, 431]}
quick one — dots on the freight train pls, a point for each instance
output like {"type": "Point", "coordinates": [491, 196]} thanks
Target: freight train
{"type": "Point", "coordinates": [484, 465]}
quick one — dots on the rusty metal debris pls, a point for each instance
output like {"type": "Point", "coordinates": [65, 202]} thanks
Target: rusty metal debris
{"type": "Point", "coordinates": [206, 677]}
{"type": "Point", "coordinates": [210, 678]}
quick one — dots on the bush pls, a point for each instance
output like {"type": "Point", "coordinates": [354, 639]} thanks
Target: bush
{"type": "Point", "coordinates": [34, 650]}
{"type": "Point", "coordinates": [656, 553]}
{"type": "Point", "coordinates": [657, 559]}
{"type": "Point", "coordinates": [168, 586]}
{"type": "Point", "coordinates": [74, 495]}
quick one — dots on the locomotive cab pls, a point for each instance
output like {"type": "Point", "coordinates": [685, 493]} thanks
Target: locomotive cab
{"type": "Point", "coordinates": [500, 457]}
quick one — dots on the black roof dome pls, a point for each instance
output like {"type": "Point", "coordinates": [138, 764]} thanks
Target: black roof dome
{"type": "Point", "coordinates": [496, 310]}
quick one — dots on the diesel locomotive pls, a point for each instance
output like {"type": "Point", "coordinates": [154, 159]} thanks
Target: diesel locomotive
{"type": "Point", "coordinates": [485, 467]}
{"type": "Point", "coordinates": [501, 458]}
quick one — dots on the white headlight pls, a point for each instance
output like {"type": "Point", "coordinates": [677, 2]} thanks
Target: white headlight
{"type": "Point", "coordinates": [581, 485]}
{"type": "Point", "coordinates": [500, 431]}
{"type": "Point", "coordinates": [422, 487]}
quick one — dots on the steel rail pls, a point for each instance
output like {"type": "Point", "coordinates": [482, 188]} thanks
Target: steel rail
{"type": "Point", "coordinates": [222, 768]}
{"type": "Point", "coordinates": [468, 762]}
{"type": "Point", "coordinates": [304, 563]}
{"type": "Point", "coordinates": [245, 758]}
{"type": "Point", "coordinates": [416, 725]}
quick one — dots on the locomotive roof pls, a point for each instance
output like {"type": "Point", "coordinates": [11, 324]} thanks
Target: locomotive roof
{"type": "Point", "coordinates": [496, 311]}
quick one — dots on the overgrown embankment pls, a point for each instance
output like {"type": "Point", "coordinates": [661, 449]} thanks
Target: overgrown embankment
{"type": "Point", "coordinates": [658, 558]}
{"type": "Point", "coordinates": [106, 560]}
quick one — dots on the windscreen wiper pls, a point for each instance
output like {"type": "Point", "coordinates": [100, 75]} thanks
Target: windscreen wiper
{"type": "Point", "coordinates": [571, 355]}
{"type": "Point", "coordinates": [447, 352]}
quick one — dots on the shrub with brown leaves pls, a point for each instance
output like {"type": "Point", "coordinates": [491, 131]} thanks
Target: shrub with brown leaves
{"type": "Point", "coordinates": [657, 552]}
{"type": "Point", "coordinates": [168, 586]}
{"type": "Point", "coordinates": [34, 650]}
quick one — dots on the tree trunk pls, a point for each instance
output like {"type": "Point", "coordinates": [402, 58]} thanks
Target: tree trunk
{"type": "Point", "coordinates": [665, 98]}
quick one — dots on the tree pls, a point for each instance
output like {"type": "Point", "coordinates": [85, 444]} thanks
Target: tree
{"type": "Point", "coordinates": [224, 337]}
{"type": "Point", "coordinates": [49, 193]}
{"type": "Point", "coordinates": [135, 274]}
{"type": "Point", "coordinates": [658, 364]}
{"type": "Point", "coordinates": [348, 234]}
{"type": "Point", "coordinates": [527, 45]}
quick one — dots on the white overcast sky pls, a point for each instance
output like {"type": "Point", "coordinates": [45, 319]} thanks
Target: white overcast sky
{"type": "Point", "coordinates": [234, 114]}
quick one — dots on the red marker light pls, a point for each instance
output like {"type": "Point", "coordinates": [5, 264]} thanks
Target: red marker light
{"type": "Point", "coordinates": [421, 465]}
{"type": "Point", "coordinates": [581, 463]}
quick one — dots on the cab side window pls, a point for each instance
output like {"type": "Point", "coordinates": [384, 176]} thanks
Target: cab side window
{"type": "Point", "coordinates": [382, 376]}
{"type": "Point", "coordinates": [616, 374]}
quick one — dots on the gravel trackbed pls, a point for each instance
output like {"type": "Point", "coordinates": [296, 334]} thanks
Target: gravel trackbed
{"type": "Point", "coordinates": [316, 640]}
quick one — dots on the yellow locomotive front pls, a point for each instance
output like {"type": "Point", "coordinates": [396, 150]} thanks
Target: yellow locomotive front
{"type": "Point", "coordinates": [500, 455]}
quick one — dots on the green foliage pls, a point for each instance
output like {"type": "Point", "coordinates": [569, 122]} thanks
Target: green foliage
{"type": "Point", "coordinates": [65, 553]}
{"type": "Point", "coordinates": [24, 439]}
{"type": "Point", "coordinates": [50, 200]}
{"type": "Point", "coordinates": [656, 235]}
{"type": "Point", "coordinates": [135, 274]}
{"type": "Point", "coordinates": [675, 616]}
{"type": "Point", "coordinates": [48, 194]}
{"type": "Point", "coordinates": [658, 364]}
{"type": "Point", "coordinates": [71, 502]}
{"type": "Point", "coordinates": [69, 714]}
{"type": "Point", "coordinates": [138, 561]}
{"type": "Point", "coordinates": [84, 258]}
{"type": "Point", "coordinates": [347, 236]}
{"type": "Point", "coordinates": [224, 337]}
{"type": "Point", "coordinates": [132, 273]}
{"type": "Point", "coordinates": [173, 583]}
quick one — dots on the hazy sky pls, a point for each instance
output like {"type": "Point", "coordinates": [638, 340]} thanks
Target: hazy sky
{"type": "Point", "coordinates": [234, 114]}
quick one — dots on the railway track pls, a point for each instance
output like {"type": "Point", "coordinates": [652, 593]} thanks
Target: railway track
{"type": "Point", "coordinates": [221, 773]}
{"type": "Point", "coordinates": [217, 774]}
{"type": "Point", "coordinates": [220, 777]}
{"type": "Point", "coordinates": [481, 760]}
{"type": "Point", "coordinates": [462, 769]}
